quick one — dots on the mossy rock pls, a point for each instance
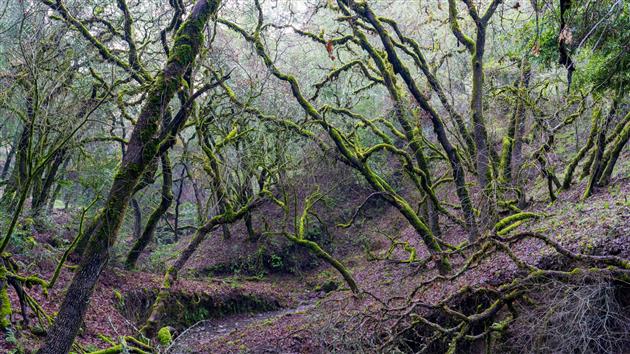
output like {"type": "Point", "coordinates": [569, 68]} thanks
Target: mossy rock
{"type": "Point", "coordinates": [164, 336]}
{"type": "Point", "coordinates": [327, 286]}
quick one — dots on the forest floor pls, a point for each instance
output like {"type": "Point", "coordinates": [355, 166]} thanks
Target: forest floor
{"type": "Point", "coordinates": [601, 225]}
{"type": "Point", "coordinates": [302, 313]}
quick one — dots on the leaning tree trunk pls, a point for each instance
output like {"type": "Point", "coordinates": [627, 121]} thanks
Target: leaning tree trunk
{"type": "Point", "coordinates": [149, 230]}
{"type": "Point", "coordinates": [19, 172]}
{"type": "Point", "coordinates": [39, 201]}
{"type": "Point", "coordinates": [597, 165]}
{"type": "Point", "coordinates": [137, 219]}
{"type": "Point", "coordinates": [7, 162]}
{"type": "Point", "coordinates": [142, 148]}
{"type": "Point", "coordinates": [613, 154]}
{"type": "Point", "coordinates": [438, 126]}
{"type": "Point", "coordinates": [178, 203]}
{"type": "Point", "coordinates": [570, 169]}
{"type": "Point", "coordinates": [170, 277]}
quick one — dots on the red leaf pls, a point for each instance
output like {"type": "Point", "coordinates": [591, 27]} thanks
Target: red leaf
{"type": "Point", "coordinates": [329, 49]}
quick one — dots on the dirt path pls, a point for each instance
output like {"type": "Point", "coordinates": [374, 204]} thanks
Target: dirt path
{"type": "Point", "coordinates": [205, 332]}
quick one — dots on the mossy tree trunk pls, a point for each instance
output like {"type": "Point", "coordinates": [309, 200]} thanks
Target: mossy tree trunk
{"type": "Point", "coordinates": [516, 131]}
{"type": "Point", "coordinates": [10, 155]}
{"type": "Point", "coordinates": [170, 278]}
{"type": "Point", "coordinates": [598, 164]}
{"type": "Point", "coordinates": [137, 219]}
{"type": "Point", "coordinates": [610, 159]}
{"type": "Point", "coordinates": [570, 169]}
{"type": "Point", "coordinates": [213, 169]}
{"type": "Point", "coordinates": [401, 69]}
{"type": "Point", "coordinates": [476, 48]}
{"type": "Point", "coordinates": [39, 200]}
{"type": "Point", "coordinates": [19, 173]}
{"type": "Point", "coordinates": [149, 229]}
{"type": "Point", "coordinates": [143, 146]}
{"type": "Point", "coordinates": [412, 137]}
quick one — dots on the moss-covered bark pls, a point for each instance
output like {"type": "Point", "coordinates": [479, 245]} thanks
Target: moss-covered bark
{"type": "Point", "coordinates": [476, 48]}
{"type": "Point", "coordinates": [299, 238]}
{"type": "Point", "coordinates": [149, 230]}
{"type": "Point", "coordinates": [5, 302]}
{"type": "Point", "coordinates": [151, 325]}
{"type": "Point", "coordinates": [510, 162]}
{"type": "Point", "coordinates": [597, 165]}
{"type": "Point", "coordinates": [506, 160]}
{"type": "Point", "coordinates": [142, 148]}
{"type": "Point", "coordinates": [401, 69]}
{"type": "Point", "coordinates": [39, 200]}
{"type": "Point", "coordinates": [19, 173]}
{"type": "Point", "coordinates": [613, 153]}
{"type": "Point", "coordinates": [321, 253]}
{"type": "Point", "coordinates": [412, 136]}
{"type": "Point", "coordinates": [570, 169]}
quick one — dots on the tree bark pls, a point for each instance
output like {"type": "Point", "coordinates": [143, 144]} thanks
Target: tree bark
{"type": "Point", "coordinates": [597, 165]}
{"type": "Point", "coordinates": [438, 126]}
{"type": "Point", "coordinates": [39, 200]}
{"type": "Point", "coordinates": [137, 219]}
{"type": "Point", "coordinates": [170, 278]}
{"type": "Point", "coordinates": [7, 163]}
{"type": "Point", "coordinates": [517, 131]}
{"type": "Point", "coordinates": [142, 148]}
{"type": "Point", "coordinates": [149, 230]}
{"type": "Point", "coordinates": [19, 172]}
{"type": "Point", "coordinates": [570, 169]}
{"type": "Point", "coordinates": [613, 153]}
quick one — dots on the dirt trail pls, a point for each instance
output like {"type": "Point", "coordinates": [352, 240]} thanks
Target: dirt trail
{"type": "Point", "coordinates": [207, 331]}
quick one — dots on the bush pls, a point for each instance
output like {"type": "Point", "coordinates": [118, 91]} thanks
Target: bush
{"type": "Point", "coordinates": [586, 317]}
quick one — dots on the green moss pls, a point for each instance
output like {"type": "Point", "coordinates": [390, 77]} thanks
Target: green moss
{"type": "Point", "coordinates": [164, 336]}
{"type": "Point", "coordinates": [505, 161]}
{"type": "Point", "coordinates": [509, 228]}
{"type": "Point", "coordinates": [507, 221]}
{"type": "Point", "coordinates": [167, 278]}
{"type": "Point", "coordinates": [183, 54]}
{"type": "Point", "coordinates": [5, 302]}
{"type": "Point", "coordinates": [5, 308]}
{"type": "Point", "coordinates": [119, 297]}
{"type": "Point", "coordinates": [111, 350]}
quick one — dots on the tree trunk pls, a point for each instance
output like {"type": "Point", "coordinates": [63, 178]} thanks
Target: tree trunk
{"type": "Point", "coordinates": [142, 148]}
{"type": "Point", "coordinates": [597, 164]}
{"type": "Point", "coordinates": [137, 219]}
{"type": "Point", "coordinates": [7, 163]}
{"type": "Point", "coordinates": [149, 230]}
{"type": "Point", "coordinates": [613, 153]}
{"type": "Point", "coordinates": [170, 278]}
{"type": "Point", "coordinates": [570, 169]}
{"type": "Point", "coordinates": [252, 236]}
{"type": "Point", "coordinates": [519, 125]}
{"type": "Point", "coordinates": [39, 200]}
{"type": "Point", "coordinates": [178, 201]}
{"type": "Point", "coordinates": [19, 172]}
{"type": "Point", "coordinates": [438, 126]}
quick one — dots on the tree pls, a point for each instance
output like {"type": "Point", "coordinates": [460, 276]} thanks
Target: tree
{"type": "Point", "coordinates": [144, 145]}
